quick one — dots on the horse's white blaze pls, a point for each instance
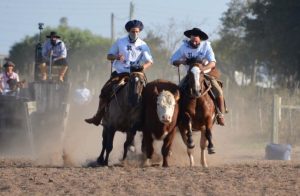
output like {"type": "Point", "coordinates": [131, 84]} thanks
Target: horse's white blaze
{"type": "Point", "coordinates": [196, 71]}
{"type": "Point", "coordinates": [136, 79]}
{"type": "Point", "coordinates": [165, 106]}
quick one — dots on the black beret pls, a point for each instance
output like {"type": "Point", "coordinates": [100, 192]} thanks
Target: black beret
{"type": "Point", "coordinates": [134, 24]}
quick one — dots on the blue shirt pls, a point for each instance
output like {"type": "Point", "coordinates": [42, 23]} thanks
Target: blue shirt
{"type": "Point", "coordinates": [59, 50]}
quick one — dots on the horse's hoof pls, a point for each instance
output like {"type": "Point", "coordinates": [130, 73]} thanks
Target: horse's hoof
{"type": "Point", "coordinates": [101, 162]}
{"type": "Point", "coordinates": [211, 151]}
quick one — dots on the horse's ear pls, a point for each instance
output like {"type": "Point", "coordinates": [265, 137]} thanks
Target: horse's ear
{"type": "Point", "coordinates": [177, 95]}
{"type": "Point", "coordinates": [155, 91]}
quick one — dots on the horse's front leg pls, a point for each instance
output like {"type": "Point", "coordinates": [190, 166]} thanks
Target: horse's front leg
{"type": "Point", "coordinates": [129, 142]}
{"type": "Point", "coordinates": [100, 159]}
{"type": "Point", "coordinates": [202, 147]}
{"type": "Point", "coordinates": [183, 131]}
{"type": "Point", "coordinates": [109, 144]}
{"type": "Point", "coordinates": [210, 147]}
{"type": "Point", "coordinates": [186, 125]}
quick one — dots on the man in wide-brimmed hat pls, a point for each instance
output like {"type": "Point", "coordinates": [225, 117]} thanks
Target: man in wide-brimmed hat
{"type": "Point", "coordinates": [198, 50]}
{"type": "Point", "coordinates": [54, 49]}
{"type": "Point", "coordinates": [126, 53]}
{"type": "Point", "coordinates": [7, 75]}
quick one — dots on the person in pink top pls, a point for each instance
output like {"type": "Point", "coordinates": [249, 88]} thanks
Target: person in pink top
{"type": "Point", "coordinates": [7, 75]}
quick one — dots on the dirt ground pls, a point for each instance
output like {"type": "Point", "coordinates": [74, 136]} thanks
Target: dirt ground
{"type": "Point", "coordinates": [237, 168]}
{"type": "Point", "coordinates": [245, 178]}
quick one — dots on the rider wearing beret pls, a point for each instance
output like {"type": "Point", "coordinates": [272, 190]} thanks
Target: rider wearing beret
{"type": "Point", "coordinates": [126, 54]}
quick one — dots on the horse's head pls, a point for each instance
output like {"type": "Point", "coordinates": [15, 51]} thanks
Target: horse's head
{"type": "Point", "coordinates": [137, 82]}
{"type": "Point", "coordinates": [195, 77]}
{"type": "Point", "coordinates": [166, 102]}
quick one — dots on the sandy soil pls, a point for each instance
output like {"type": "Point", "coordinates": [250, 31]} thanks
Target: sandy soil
{"type": "Point", "coordinates": [247, 178]}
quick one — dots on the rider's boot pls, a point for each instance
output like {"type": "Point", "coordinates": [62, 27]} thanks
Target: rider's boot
{"type": "Point", "coordinates": [96, 119]}
{"type": "Point", "coordinates": [62, 73]}
{"type": "Point", "coordinates": [43, 69]}
{"type": "Point", "coordinates": [220, 115]}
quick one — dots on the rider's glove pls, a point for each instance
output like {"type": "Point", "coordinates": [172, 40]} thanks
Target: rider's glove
{"type": "Point", "coordinates": [191, 61]}
{"type": "Point", "coordinates": [136, 68]}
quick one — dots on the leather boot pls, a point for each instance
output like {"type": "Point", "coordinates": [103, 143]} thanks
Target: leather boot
{"type": "Point", "coordinates": [96, 119]}
{"type": "Point", "coordinates": [62, 73]}
{"type": "Point", "coordinates": [220, 116]}
{"type": "Point", "coordinates": [43, 69]}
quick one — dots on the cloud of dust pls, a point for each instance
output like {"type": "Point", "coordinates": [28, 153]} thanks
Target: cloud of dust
{"type": "Point", "coordinates": [247, 131]}
{"type": "Point", "coordinates": [83, 142]}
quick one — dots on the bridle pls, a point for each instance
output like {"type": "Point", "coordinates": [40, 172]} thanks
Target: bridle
{"type": "Point", "coordinates": [196, 82]}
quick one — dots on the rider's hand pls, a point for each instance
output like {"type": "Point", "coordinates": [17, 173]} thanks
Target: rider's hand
{"type": "Point", "coordinates": [136, 68]}
{"type": "Point", "coordinates": [190, 61]}
{"type": "Point", "coordinates": [120, 57]}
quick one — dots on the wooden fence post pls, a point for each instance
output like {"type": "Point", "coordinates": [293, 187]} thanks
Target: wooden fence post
{"type": "Point", "coordinates": [276, 118]}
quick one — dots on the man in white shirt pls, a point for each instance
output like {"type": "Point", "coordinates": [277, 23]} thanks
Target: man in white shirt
{"type": "Point", "coordinates": [54, 50]}
{"type": "Point", "coordinates": [126, 53]}
{"type": "Point", "coordinates": [198, 50]}
{"type": "Point", "coordinates": [82, 95]}
{"type": "Point", "coordinates": [6, 76]}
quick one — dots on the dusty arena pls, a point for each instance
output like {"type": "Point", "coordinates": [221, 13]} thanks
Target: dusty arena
{"type": "Point", "coordinates": [237, 168]}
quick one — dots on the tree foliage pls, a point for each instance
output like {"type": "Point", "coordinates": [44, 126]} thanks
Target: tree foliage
{"type": "Point", "coordinates": [261, 32]}
{"type": "Point", "coordinates": [274, 33]}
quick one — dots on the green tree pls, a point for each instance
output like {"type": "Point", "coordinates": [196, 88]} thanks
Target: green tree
{"type": "Point", "coordinates": [273, 28]}
{"type": "Point", "coordinates": [231, 49]}
{"type": "Point", "coordinates": [261, 32]}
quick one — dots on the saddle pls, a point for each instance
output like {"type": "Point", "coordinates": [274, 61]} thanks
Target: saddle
{"type": "Point", "coordinates": [119, 82]}
{"type": "Point", "coordinates": [118, 86]}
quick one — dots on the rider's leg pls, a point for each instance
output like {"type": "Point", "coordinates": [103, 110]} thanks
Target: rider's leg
{"type": "Point", "coordinates": [96, 119]}
{"type": "Point", "coordinates": [62, 73]}
{"type": "Point", "coordinates": [103, 100]}
{"type": "Point", "coordinates": [220, 117]}
{"type": "Point", "coordinates": [217, 90]}
{"type": "Point", "coordinates": [43, 69]}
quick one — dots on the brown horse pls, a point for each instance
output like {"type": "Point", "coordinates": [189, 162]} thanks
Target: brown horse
{"type": "Point", "coordinates": [124, 113]}
{"type": "Point", "coordinates": [197, 112]}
